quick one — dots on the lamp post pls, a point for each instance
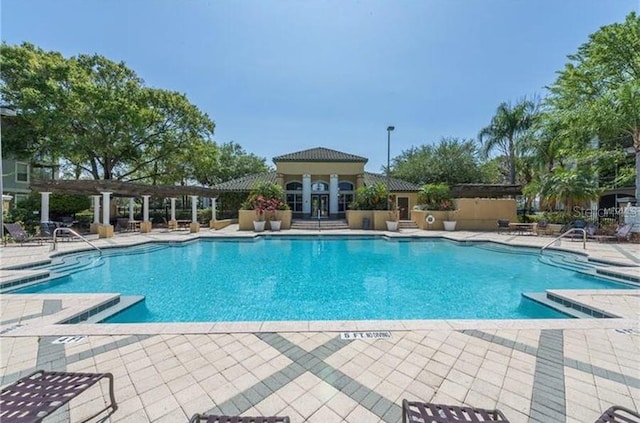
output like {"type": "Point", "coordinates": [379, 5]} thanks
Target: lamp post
{"type": "Point", "coordinates": [3, 112]}
{"type": "Point", "coordinates": [389, 129]}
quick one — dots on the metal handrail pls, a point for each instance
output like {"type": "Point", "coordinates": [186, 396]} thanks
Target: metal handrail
{"type": "Point", "coordinates": [584, 238]}
{"type": "Point", "coordinates": [54, 245]}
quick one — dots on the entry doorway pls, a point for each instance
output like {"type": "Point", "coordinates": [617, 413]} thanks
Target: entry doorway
{"type": "Point", "coordinates": [320, 205]}
{"type": "Point", "coordinates": [403, 205]}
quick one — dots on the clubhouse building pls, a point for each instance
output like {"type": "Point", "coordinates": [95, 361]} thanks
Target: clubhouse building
{"type": "Point", "coordinates": [321, 182]}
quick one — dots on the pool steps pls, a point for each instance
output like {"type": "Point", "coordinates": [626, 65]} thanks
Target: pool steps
{"type": "Point", "coordinates": [567, 306]}
{"type": "Point", "coordinates": [102, 311]}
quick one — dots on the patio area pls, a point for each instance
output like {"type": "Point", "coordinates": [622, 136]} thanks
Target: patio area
{"type": "Point", "coordinates": [567, 370]}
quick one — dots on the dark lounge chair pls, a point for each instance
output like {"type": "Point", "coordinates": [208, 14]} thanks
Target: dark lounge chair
{"type": "Point", "coordinates": [197, 418]}
{"type": "Point", "coordinates": [18, 234]}
{"type": "Point", "coordinates": [623, 233]}
{"type": "Point", "coordinates": [503, 226]}
{"type": "Point", "coordinates": [34, 397]}
{"type": "Point", "coordinates": [618, 414]}
{"type": "Point", "coordinates": [421, 412]}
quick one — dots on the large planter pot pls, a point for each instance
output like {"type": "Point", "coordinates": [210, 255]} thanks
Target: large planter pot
{"type": "Point", "coordinates": [275, 225]}
{"type": "Point", "coordinates": [449, 225]}
{"type": "Point", "coordinates": [258, 225]}
{"type": "Point", "coordinates": [392, 225]}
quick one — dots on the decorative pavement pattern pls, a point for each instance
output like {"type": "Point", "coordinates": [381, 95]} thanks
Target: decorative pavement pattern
{"type": "Point", "coordinates": [566, 371]}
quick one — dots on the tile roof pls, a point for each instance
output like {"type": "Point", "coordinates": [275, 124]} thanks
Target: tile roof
{"type": "Point", "coordinates": [319, 154]}
{"type": "Point", "coordinates": [394, 183]}
{"type": "Point", "coordinates": [245, 183]}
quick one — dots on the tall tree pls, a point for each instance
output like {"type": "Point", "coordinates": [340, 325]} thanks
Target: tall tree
{"type": "Point", "coordinates": [451, 161]}
{"type": "Point", "coordinates": [95, 114]}
{"type": "Point", "coordinates": [508, 128]}
{"type": "Point", "coordinates": [598, 91]}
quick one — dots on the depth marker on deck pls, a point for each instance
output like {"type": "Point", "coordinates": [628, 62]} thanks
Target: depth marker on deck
{"type": "Point", "coordinates": [365, 335]}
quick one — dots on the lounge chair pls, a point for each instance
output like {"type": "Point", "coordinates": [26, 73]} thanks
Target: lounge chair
{"type": "Point", "coordinates": [542, 228]}
{"type": "Point", "coordinates": [18, 234]}
{"type": "Point", "coordinates": [122, 225]}
{"type": "Point", "coordinates": [623, 233]}
{"type": "Point", "coordinates": [421, 412]}
{"type": "Point", "coordinates": [196, 418]}
{"type": "Point", "coordinates": [34, 397]}
{"type": "Point", "coordinates": [617, 414]}
{"type": "Point", "coordinates": [503, 226]}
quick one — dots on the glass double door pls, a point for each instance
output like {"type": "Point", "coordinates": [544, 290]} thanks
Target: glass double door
{"type": "Point", "coordinates": [319, 205]}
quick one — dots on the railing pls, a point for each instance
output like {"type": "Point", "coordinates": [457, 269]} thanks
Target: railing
{"type": "Point", "coordinates": [584, 238]}
{"type": "Point", "coordinates": [54, 244]}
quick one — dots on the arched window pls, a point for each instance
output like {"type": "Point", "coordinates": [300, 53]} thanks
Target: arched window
{"type": "Point", "coordinates": [319, 186]}
{"type": "Point", "coordinates": [294, 186]}
{"type": "Point", "coordinates": [345, 186]}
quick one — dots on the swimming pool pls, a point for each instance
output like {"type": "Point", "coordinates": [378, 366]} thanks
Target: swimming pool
{"type": "Point", "coordinates": [323, 279]}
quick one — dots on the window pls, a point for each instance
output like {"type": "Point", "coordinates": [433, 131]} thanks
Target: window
{"type": "Point", "coordinates": [18, 198]}
{"type": "Point", "coordinates": [295, 202]}
{"type": "Point", "coordinates": [343, 202]}
{"type": "Point", "coordinates": [22, 172]}
{"type": "Point", "coordinates": [345, 186]}
{"type": "Point", "coordinates": [294, 186]}
{"type": "Point", "coordinates": [319, 186]}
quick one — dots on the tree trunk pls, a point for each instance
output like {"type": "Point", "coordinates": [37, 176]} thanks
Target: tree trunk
{"type": "Point", "coordinates": [512, 162]}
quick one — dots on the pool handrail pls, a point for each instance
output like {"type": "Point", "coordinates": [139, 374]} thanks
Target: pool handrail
{"type": "Point", "coordinates": [584, 238]}
{"type": "Point", "coordinates": [54, 244]}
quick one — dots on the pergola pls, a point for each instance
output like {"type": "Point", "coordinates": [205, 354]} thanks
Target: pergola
{"type": "Point", "coordinates": [108, 188]}
{"type": "Point", "coordinates": [485, 190]}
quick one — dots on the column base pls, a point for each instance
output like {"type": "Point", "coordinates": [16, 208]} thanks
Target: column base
{"type": "Point", "coordinates": [93, 228]}
{"type": "Point", "coordinates": [105, 231]}
{"type": "Point", "coordinates": [172, 224]}
{"type": "Point", "coordinates": [212, 224]}
{"type": "Point", "coordinates": [145, 227]}
{"type": "Point", "coordinates": [194, 227]}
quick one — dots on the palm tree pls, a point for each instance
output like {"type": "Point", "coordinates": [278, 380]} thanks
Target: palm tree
{"type": "Point", "coordinates": [508, 127]}
{"type": "Point", "coordinates": [570, 187]}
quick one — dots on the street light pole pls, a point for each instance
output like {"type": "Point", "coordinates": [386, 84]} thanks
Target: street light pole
{"type": "Point", "coordinates": [389, 129]}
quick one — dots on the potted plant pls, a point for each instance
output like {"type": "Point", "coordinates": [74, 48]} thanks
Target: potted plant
{"type": "Point", "coordinates": [260, 207]}
{"type": "Point", "coordinates": [273, 205]}
{"type": "Point", "coordinates": [450, 223]}
{"type": "Point", "coordinates": [265, 200]}
{"type": "Point", "coordinates": [392, 220]}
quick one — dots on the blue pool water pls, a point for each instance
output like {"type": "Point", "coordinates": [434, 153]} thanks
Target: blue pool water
{"type": "Point", "coordinates": [323, 279]}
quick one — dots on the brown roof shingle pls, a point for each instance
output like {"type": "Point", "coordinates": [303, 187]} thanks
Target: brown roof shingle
{"type": "Point", "coordinates": [319, 154]}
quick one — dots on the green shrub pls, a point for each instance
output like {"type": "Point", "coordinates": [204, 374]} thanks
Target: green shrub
{"type": "Point", "coordinates": [435, 197]}
{"type": "Point", "coordinates": [370, 197]}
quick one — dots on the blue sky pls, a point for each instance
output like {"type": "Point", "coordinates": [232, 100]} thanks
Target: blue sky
{"type": "Point", "coordinates": [283, 76]}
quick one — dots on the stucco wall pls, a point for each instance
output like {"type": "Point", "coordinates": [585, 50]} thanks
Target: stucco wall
{"type": "Point", "coordinates": [319, 168]}
{"type": "Point", "coordinates": [482, 214]}
{"type": "Point", "coordinates": [472, 214]}
{"type": "Point", "coordinates": [246, 218]}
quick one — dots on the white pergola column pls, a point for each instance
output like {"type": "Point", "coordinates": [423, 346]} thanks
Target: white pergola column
{"type": "Point", "coordinates": [194, 208]}
{"type": "Point", "coordinates": [306, 194]}
{"type": "Point", "coordinates": [145, 226]}
{"type": "Point", "coordinates": [105, 230]}
{"type": "Point", "coordinates": [44, 206]}
{"type": "Point", "coordinates": [106, 208]}
{"type": "Point", "coordinates": [333, 194]}
{"type": "Point", "coordinates": [213, 209]}
{"type": "Point", "coordinates": [96, 208]}
{"type": "Point", "coordinates": [145, 208]}
{"type": "Point", "coordinates": [173, 208]}
{"type": "Point", "coordinates": [131, 206]}
{"type": "Point", "coordinates": [195, 226]}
